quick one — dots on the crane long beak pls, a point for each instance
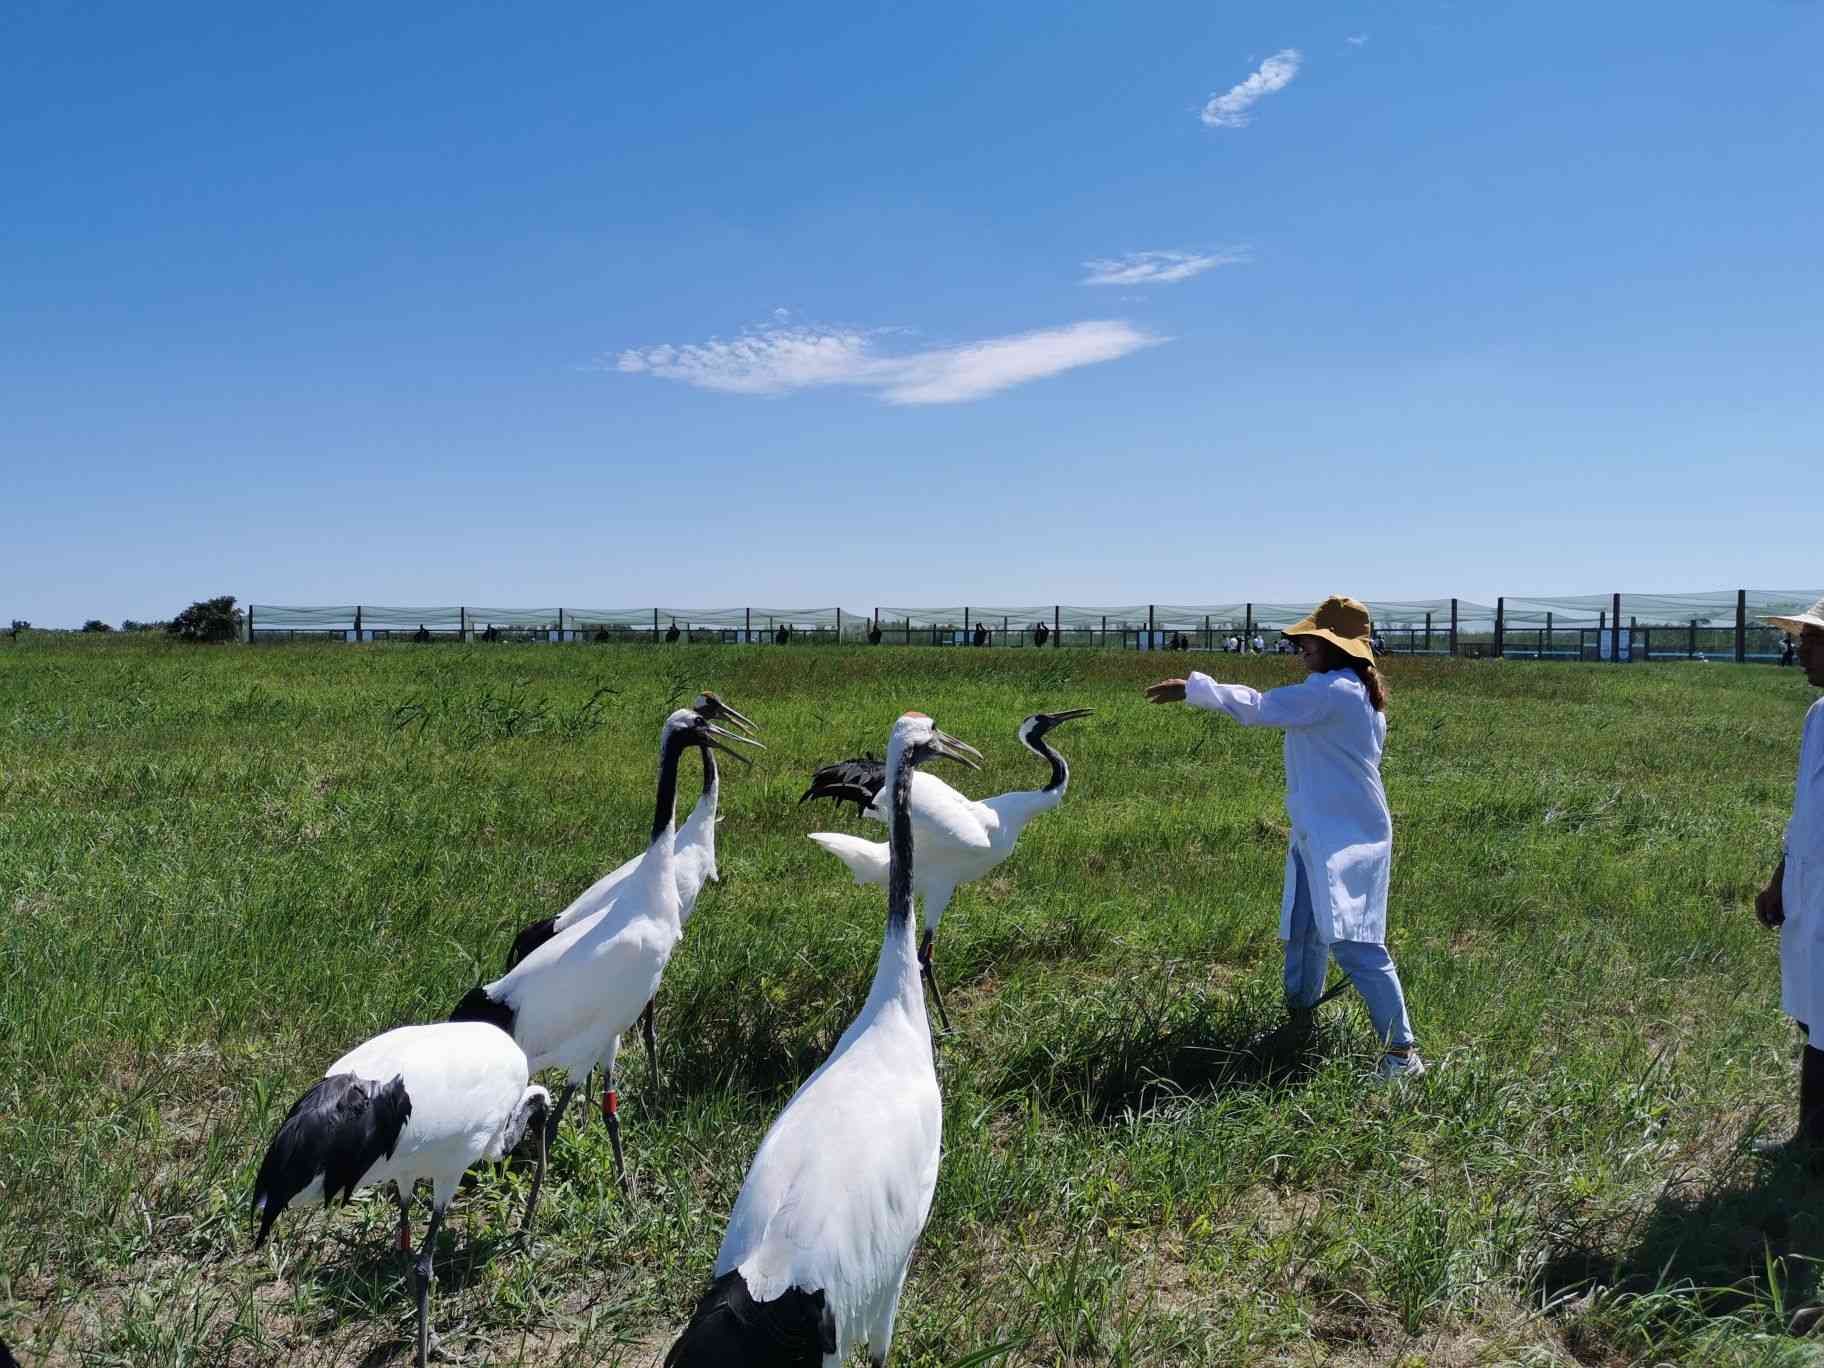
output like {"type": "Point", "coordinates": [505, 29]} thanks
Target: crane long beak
{"type": "Point", "coordinates": [714, 731]}
{"type": "Point", "coordinates": [742, 722]}
{"type": "Point", "coordinates": [961, 751]}
{"type": "Point", "coordinates": [1067, 715]}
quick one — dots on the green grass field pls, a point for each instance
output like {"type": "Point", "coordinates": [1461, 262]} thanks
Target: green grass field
{"type": "Point", "coordinates": [223, 866]}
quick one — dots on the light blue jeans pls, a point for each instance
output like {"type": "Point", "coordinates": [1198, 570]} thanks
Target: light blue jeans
{"type": "Point", "coordinates": [1370, 969]}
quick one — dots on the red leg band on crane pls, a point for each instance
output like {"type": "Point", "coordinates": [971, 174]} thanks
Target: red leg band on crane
{"type": "Point", "coordinates": [611, 1103]}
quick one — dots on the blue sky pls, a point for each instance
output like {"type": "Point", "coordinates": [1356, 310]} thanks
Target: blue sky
{"type": "Point", "coordinates": [604, 306]}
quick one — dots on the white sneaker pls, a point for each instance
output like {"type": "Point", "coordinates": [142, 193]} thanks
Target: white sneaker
{"type": "Point", "coordinates": [1394, 1067]}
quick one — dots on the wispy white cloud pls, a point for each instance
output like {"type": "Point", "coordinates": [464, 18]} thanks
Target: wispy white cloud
{"type": "Point", "coordinates": [1356, 39]}
{"type": "Point", "coordinates": [1158, 268]}
{"type": "Point", "coordinates": [783, 360]}
{"type": "Point", "coordinates": [1230, 110]}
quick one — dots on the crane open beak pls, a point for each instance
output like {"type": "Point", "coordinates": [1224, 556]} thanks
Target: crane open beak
{"type": "Point", "coordinates": [1070, 714]}
{"type": "Point", "coordinates": [713, 731]}
{"type": "Point", "coordinates": [952, 749]}
{"type": "Point", "coordinates": [713, 707]}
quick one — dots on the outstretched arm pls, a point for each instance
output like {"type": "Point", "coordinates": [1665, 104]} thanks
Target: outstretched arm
{"type": "Point", "coordinates": [1165, 691]}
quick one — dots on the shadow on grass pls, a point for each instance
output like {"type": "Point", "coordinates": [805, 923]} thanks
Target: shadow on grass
{"type": "Point", "coordinates": [1122, 1053]}
{"type": "Point", "coordinates": [1748, 1246]}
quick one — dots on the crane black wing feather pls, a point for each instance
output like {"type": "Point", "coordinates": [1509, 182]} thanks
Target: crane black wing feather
{"type": "Point", "coordinates": [530, 939]}
{"type": "Point", "coordinates": [857, 781]}
{"type": "Point", "coordinates": [338, 1130]}
{"type": "Point", "coordinates": [729, 1329]}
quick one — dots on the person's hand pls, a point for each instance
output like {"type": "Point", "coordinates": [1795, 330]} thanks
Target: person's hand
{"type": "Point", "coordinates": [1770, 903]}
{"type": "Point", "coordinates": [1165, 691]}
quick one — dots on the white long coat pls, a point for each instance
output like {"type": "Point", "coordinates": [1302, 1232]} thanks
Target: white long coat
{"type": "Point", "coordinates": [1341, 827]}
{"type": "Point", "coordinates": [1802, 937]}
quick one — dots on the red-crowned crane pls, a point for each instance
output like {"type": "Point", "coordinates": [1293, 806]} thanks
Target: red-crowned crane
{"type": "Point", "coordinates": [415, 1102]}
{"type": "Point", "coordinates": [568, 1002]}
{"type": "Point", "coordinates": [695, 850]}
{"type": "Point", "coordinates": [959, 839]}
{"type": "Point", "coordinates": [821, 1236]}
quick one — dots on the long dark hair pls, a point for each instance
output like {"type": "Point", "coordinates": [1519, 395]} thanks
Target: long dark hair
{"type": "Point", "coordinates": [1336, 658]}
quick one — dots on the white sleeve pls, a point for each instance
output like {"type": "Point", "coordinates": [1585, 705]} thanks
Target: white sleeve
{"type": "Point", "coordinates": [1295, 705]}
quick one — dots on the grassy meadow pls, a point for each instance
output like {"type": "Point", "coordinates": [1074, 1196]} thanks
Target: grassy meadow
{"type": "Point", "coordinates": [221, 867]}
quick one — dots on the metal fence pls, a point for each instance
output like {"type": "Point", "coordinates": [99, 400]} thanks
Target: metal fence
{"type": "Point", "coordinates": [1721, 625]}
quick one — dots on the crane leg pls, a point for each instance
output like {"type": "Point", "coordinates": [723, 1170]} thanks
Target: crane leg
{"type": "Point", "coordinates": [611, 1113]}
{"type": "Point", "coordinates": [405, 1219]}
{"type": "Point", "coordinates": [649, 1028]}
{"type": "Point", "coordinates": [538, 1181]}
{"type": "Point", "coordinates": [422, 1270]}
{"type": "Point", "coordinates": [937, 994]}
{"type": "Point", "coordinates": [557, 1114]}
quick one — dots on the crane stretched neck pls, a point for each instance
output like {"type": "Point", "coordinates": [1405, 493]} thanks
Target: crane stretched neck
{"type": "Point", "coordinates": [1060, 772]}
{"type": "Point", "coordinates": [899, 844]}
{"type": "Point", "coordinates": [709, 773]}
{"type": "Point", "coordinates": [665, 809]}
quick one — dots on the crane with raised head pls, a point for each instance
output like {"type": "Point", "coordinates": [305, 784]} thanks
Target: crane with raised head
{"type": "Point", "coordinates": [959, 839]}
{"type": "Point", "coordinates": [569, 1001]}
{"type": "Point", "coordinates": [822, 1234]}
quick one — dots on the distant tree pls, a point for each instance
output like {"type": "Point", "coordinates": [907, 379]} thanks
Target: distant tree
{"type": "Point", "coordinates": [19, 625]}
{"type": "Point", "coordinates": [215, 619]}
{"type": "Point", "coordinates": [96, 625]}
{"type": "Point", "coordinates": [129, 625]}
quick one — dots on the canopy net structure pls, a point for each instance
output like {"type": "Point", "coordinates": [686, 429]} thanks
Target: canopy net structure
{"type": "Point", "coordinates": [1728, 623]}
{"type": "Point", "coordinates": [378, 622]}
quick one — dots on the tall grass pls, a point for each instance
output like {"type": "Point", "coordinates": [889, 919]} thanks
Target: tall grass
{"type": "Point", "coordinates": [221, 867]}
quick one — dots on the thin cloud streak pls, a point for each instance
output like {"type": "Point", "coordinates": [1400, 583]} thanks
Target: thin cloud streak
{"type": "Point", "coordinates": [785, 360]}
{"type": "Point", "coordinates": [1230, 110]}
{"type": "Point", "coordinates": [1159, 268]}
{"type": "Point", "coordinates": [1356, 39]}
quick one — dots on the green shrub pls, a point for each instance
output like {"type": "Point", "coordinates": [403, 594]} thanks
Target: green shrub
{"type": "Point", "coordinates": [96, 625]}
{"type": "Point", "coordinates": [215, 619]}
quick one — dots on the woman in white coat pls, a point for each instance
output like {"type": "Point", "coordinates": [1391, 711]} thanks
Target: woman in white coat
{"type": "Point", "coordinates": [1335, 901]}
{"type": "Point", "coordinates": [1793, 900]}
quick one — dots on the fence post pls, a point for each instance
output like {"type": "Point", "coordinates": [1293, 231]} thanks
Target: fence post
{"type": "Point", "coordinates": [250, 624]}
{"type": "Point", "coordinates": [1615, 632]}
{"type": "Point", "coordinates": [1741, 626]}
{"type": "Point", "coordinates": [1149, 626]}
{"type": "Point", "coordinates": [1248, 624]}
{"type": "Point", "coordinates": [1453, 627]}
{"type": "Point", "coordinates": [357, 622]}
{"type": "Point", "coordinates": [1548, 630]}
{"type": "Point", "coordinates": [1428, 633]}
{"type": "Point", "coordinates": [839, 626]}
{"type": "Point", "coordinates": [1057, 621]}
{"type": "Point", "coordinates": [655, 624]}
{"type": "Point", "coordinates": [747, 627]}
{"type": "Point", "coordinates": [965, 622]}
{"type": "Point", "coordinates": [462, 624]}
{"type": "Point", "coordinates": [1500, 626]}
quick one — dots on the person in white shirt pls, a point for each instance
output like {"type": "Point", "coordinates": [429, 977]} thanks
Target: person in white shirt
{"type": "Point", "coordinates": [1335, 900]}
{"type": "Point", "coordinates": [1793, 900]}
{"type": "Point", "coordinates": [1260, 644]}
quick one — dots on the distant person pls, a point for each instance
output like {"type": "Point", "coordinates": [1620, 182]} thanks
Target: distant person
{"type": "Point", "coordinates": [874, 634]}
{"type": "Point", "coordinates": [782, 635]}
{"type": "Point", "coordinates": [981, 634]}
{"type": "Point", "coordinates": [1793, 900]}
{"type": "Point", "coordinates": [1788, 650]}
{"type": "Point", "coordinates": [492, 634]}
{"type": "Point", "coordinates": [1335, 900]}
{"type": "Point", "coordinates": [601, 633]}
{"type": "Point", "coordinates": [422, 635]}
{"type": "Point", "coordinates": [1040, 634]}
{"type": "Point", "coordinates": [1379, 643]}
{"type": "Point", "coordinates": [1259, 644]}
{"type": "Point", "coordinates": [671, 632]}
{"type": "Point", "coordinates": [1232, 645]}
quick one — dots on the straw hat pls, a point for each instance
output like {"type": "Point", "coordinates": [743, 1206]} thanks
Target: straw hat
{"type": "Point", "coordinates": [1811, 617]}
{"type": "Point", "coordinates": [1341, 621]}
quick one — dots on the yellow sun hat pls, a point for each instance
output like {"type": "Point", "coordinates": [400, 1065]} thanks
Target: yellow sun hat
{"type": "Point", "coordinates": [1798, 622]}
{"type": "Point", "coordinates": [1341, 621]}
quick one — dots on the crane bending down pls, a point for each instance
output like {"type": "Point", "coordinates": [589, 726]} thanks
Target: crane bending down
{"type": "Point", "coordinates": [415, 1102]}
{"type": "Point", "coordinates": [959, 839]}
{"type": "Point", "coordinates": [695, 851]}
{"type": "Point", "coordinates": [821, 1236]}
{"type": "Point", "coordinates": [568, 1002]}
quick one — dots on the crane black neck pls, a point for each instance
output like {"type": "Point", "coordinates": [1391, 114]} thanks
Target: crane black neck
{"type": "Point", "coordinates": [1060, 772]}
{"type": "Point", "coordinates": [709, 770]}
{"type": "Point", "coordinates": [899, 847]}
{"type": "Point", "coordinates": [665, 809]}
